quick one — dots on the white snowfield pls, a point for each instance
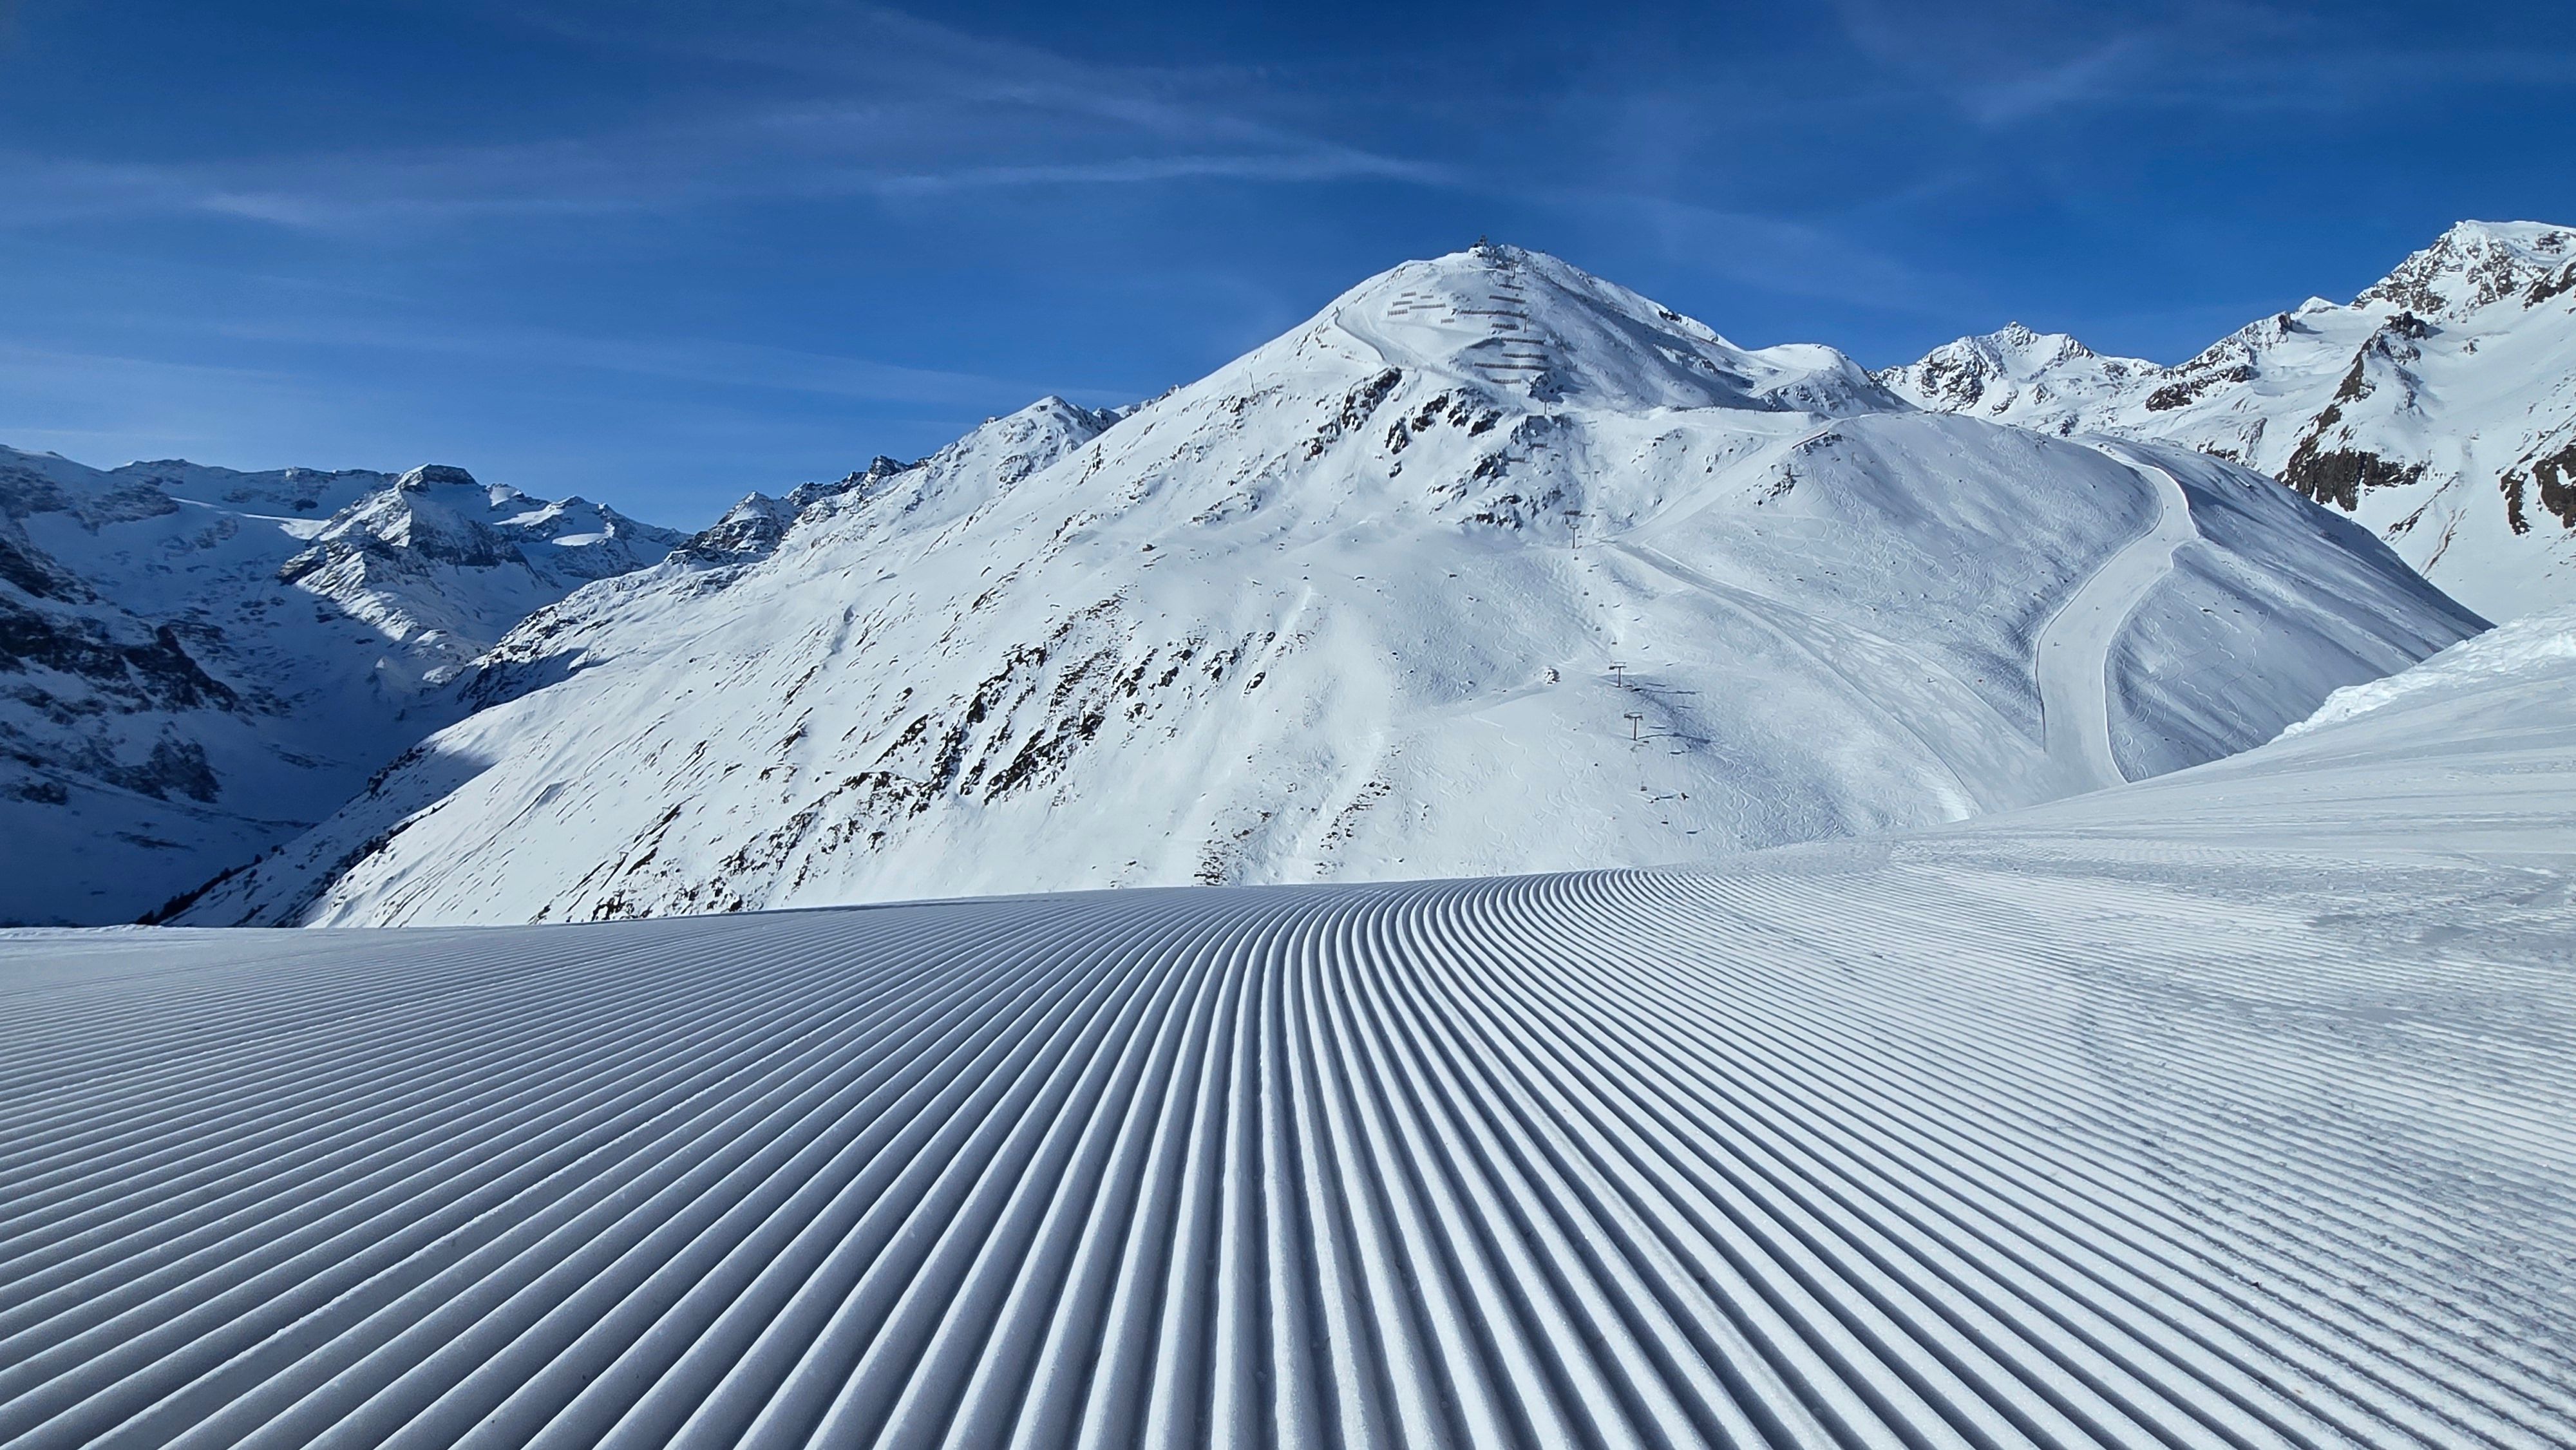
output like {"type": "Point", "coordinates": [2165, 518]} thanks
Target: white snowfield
{"type": "Point", "coordinates": [2232, 1108]}
{"type": "Point", "coordinates": [2438, 408]}
{"type": "Point", "coordinates": [1491, 567]}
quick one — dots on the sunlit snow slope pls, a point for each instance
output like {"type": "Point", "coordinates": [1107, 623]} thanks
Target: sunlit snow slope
{"type": "Point", "coordinates": [1492, 566]}
{"type": "Point", "coordinates": [2234, 1108]}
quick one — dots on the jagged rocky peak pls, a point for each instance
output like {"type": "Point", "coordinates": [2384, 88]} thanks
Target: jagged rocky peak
{"type": "Point", "coordinates": [2012, 350]}
{"type": "Point", "coordinates": [2009, 370]}
{"type": "Point", "coordinates": [2474, 265]}
{"type": "Point", "coordinates": [752, 528]}
{"type": "Point", "coordinates": [1521, 323]}
{"type": "Point", "coordinates": [440, 515]}
{"type": "Point", "coordinates": [2015, 341]}
{"type": "Point", "coordinates": [430, 475]}
{"type": "Point", "coordinates": [2432, 407]}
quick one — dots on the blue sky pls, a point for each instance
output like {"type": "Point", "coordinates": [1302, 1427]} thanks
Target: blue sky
{"type": "Point", "coordinates": [663, 253]}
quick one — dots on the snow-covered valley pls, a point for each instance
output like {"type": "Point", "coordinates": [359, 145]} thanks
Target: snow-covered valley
{"type": "Point", "coordinates": [2230, 1107]}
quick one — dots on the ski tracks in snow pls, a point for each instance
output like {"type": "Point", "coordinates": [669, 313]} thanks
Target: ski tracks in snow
{"type": "Point", "coordinates": [2072, 654]}
{"type": "Point", "coordinates": [1812, 642]}
{"type": "Point", "coordinates": [1837, 1158]}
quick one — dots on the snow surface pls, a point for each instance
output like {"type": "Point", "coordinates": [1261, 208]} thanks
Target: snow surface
{"type": "Point", "coordinates": [2538, 644]}
{"type": "Point", "coordinates": [2073, 651]}
{"type": "Point", "coordinates": [2234, 1107]}
{"type": "Point", "coordinates": [197, 663]}
{"type": "Point", "coordinates": [2438, 408]}
{"type": "Point", "coordinates": [1490, 567]}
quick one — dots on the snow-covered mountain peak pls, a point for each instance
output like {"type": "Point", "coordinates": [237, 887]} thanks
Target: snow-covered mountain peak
{"type": "Point", "coordinates": [1483, 519]}
{"type": "Point", "coordinates": [2471, 266]}
{"type": "Point", "coordinates": [438, 517]}
{"type": "Point", "coordinates": [1016, 445]}
{"type": "Point", "coordinates": [1468, 389]}
{"type": "Point", "coordinates": [2011, 369]}
{"type": "Point", "coordinates": [1530, 326]}
{"type": "Point", "coordinates": [2022, 346]}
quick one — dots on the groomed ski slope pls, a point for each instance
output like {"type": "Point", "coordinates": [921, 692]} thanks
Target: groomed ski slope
{"type": "Point", "coordinates": [2073, 653]}
{"type": "Point", "coordinates": [2232, 1108]}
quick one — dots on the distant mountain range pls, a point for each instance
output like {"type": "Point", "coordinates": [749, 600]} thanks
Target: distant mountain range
{"type": "Point", "coordinates": [2438, 407]}
{"type": "Point", "coordinates": [196, 664]}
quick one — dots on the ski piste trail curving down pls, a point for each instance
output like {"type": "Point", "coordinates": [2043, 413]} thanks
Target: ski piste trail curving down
{"type": "Point", "coordinates": [2073, 649]}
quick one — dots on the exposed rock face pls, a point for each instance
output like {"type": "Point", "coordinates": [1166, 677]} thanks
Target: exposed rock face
{"type": "Point", "coordinates": [2427, 408]}
{"type": "Point", "coordinates": [151, 673]}
{"type": "Point", "coordinates": [2341, 476]}
{"type": "Point", "coordinates": [2551, 480]}
{"type": "Point", "coordinates": [431, 475]}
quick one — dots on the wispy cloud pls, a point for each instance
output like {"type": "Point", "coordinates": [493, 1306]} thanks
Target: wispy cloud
{"type": "Point", "coordinates": [885, 106]}
{"type": "Point", "coordinates": [698, 361]}
{"type": "Point", "coordinates": [1769, 253]}
{"type": "Point", "coordinates": [636, 172]}
{"type": "Point", "coordinates": [1136, 170]}
{"type": "Point", "coordinates": [2007, 63]}
{"type": "Point", "coordinates": [2106, 70]}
